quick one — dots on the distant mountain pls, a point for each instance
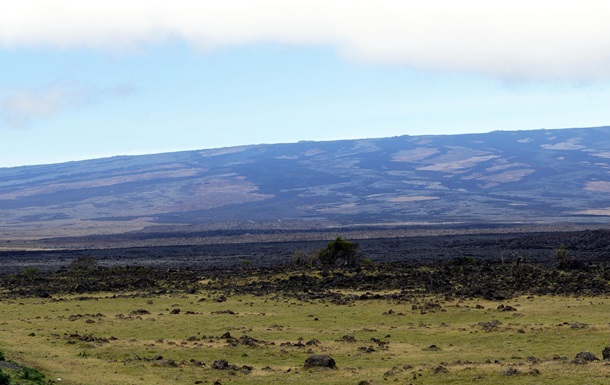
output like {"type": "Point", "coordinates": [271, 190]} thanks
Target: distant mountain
{"type": "Point", "coordinates": [498, 177]}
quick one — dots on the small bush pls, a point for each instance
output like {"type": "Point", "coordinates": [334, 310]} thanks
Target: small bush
{"type": "Point", "coordinates": [302, 258]}
{"type": "Point", "coordinates": [32, 374]}
{"type": "Point", "coordinates": [2, 356]}
{"type": "Point", "coordinates": [246, 263]}
{"type": "Point", "coordinates": [30, 272]}
{"type": "Point", "coordinates": [5, 379]}
{"type": "Point", "coordinates": [565, 260]}
{"type": "Point", "coordinates": [561, 252]}
{"type": "Point", "coordinates": [82, 264]}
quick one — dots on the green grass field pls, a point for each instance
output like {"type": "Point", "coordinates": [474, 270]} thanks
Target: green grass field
{"type": "Point", "coordinates": [107, 339]}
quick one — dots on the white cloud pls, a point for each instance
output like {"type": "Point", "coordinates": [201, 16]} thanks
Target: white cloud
{"type": "Point", "coordinates": [563, 39]}
{"type": "Point", "coordinates": [20, 106]}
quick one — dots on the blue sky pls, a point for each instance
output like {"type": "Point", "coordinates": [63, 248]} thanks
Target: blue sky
{"type": "Point", "coordinates": [81, 80]}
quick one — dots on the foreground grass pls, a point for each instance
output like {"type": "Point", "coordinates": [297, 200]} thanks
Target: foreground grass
{"type": "Point", "coordinates": [107, 339]}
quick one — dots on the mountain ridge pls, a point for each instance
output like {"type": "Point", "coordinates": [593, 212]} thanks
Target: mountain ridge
{"type": "Point", "coordinates": [535, 176]}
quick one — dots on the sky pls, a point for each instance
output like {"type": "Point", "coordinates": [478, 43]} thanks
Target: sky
{"type": "Point", "coordinates": [90, 79]}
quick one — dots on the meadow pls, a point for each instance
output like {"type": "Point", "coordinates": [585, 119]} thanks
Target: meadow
{"type": "Point", "coordinates": [211, 333]}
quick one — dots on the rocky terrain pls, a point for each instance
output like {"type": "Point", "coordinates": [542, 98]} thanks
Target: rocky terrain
{"type": "Point", "coordinates": [577, 273]}
{"type": "Point", "coordinates": [492, 267]}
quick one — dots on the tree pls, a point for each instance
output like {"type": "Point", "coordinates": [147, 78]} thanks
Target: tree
{"type": "Point", "coordinates": [340, 252]}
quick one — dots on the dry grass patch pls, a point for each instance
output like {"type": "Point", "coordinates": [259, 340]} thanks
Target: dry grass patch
{"type": "Point", "coordinates": [177, 338]}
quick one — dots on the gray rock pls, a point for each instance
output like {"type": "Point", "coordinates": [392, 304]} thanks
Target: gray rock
{"type": "Point", "coordinates": [165, 362]}
{"type": "Point", "coordinates": [584, 357]}
{"type": "Point", "coordinates": [321, 361]}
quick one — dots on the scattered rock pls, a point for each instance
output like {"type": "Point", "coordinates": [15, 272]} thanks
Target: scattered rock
{"type": "Point", "coordinates": [197, 363]}
{"type": "Point", "coordinates": [490, 326]}
{"type": "Point", "coordinates": [578, 325]}
{"type": "Point", "coordinates": [348, 338]}
{"type": "Point", "coordinates": [534, 372]}
{"type": "Point", "coordinates": [320, 361]}
{"type": "Point", "coordinates": [231, 312]}
{"type": "Point", "coordinates": [584, 358]}
{"type": "Point", "coordinates": [224, 365]}
{"type": "Point", "coordinates": [139, 312]}
{"type": "Point", "coordinates": [220, 365]}
{"type": "Point", "coordinates": [534, 360]}
{"type": "Point", "coordinates": [246, 369]}
{"type": "Point", "coordinates": [432, 348]}
{"type": "Point", "coordinates": [165, 362]}
{"type": "Point", "coordinates": [511, 372]}
{"type": "Point", "coordinates": [365, 349]}
{"type": "Point", "coordinates": [502, 307]}
{"type": "Point", "coordinates": [246, 341]}
{"type": "Point", "coordinates": [440, 370]}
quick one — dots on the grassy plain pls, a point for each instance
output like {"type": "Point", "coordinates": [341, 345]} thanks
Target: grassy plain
{"type": "Point", "coordinates": [117, 339]}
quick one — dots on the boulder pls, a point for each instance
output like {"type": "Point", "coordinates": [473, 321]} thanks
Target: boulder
{"type": "Point", "coordinates": [224, 365]}
{"type": "Point", "coordinates": [320, 361]}
{"type": "Point", "coordinates": [165, 362]}
{"type": "Point", "coordinates": [584, 357]}
{"type": "Point", "coordinates": [220, 365]}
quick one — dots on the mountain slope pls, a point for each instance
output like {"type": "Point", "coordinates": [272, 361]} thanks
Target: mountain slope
{"type": "Point", "coordinates": [521, 176]}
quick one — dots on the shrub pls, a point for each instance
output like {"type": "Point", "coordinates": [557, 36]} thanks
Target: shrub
{"type": "Point", "coordinates": [561, 252]}
{"type": "Point", "coordinates": [302, 258]}
{"type": "Point", "coordinates": [5, 379]}
{"type": "Point", "coordinates": [82, 264]}
{"type": "Point", "coordinates": [30, 272]}
{"type": "Point", "coordinates": [245, 262]}
{"type": "Point", "coordinates": [32, 374]}
{"type": "Point", "coordinates": [566, 262]}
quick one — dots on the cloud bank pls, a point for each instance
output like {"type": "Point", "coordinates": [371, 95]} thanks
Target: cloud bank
{"type": "Point", "coordinates": [561, 39]}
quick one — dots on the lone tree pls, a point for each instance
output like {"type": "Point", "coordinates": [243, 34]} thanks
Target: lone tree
{"type": "Point", "coordinates": [340, 252]}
